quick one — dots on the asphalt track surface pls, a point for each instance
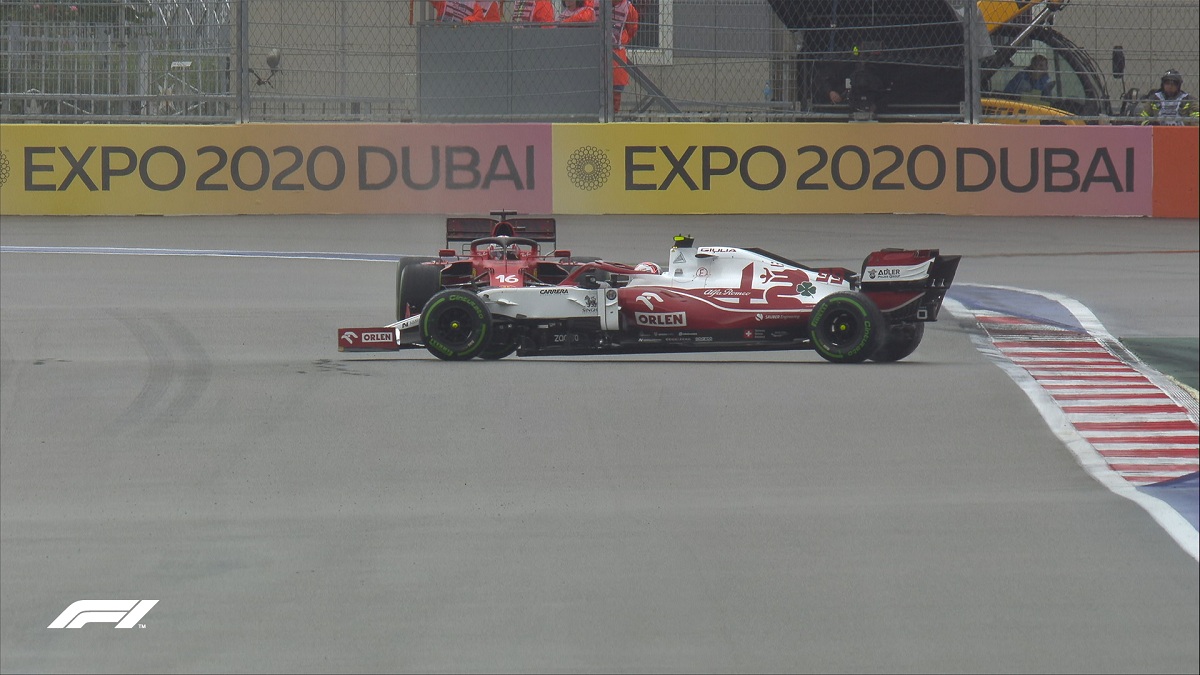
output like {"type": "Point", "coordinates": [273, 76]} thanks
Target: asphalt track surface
{"type": "Point", "coordinates": [183, 429]}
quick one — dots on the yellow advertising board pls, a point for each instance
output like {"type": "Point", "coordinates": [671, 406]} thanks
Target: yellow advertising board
{"type": "Point", "coordinates": [105, 169]}
{"type": "Point", "coordinates": [851, 168]}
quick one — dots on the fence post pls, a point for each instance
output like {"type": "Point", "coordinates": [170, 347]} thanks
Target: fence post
{"type": "Point", "coordinates": [606, 69]}
{"type": "Point", "coordinates": [243, 61]}
{"type": "Point", "coordinates": [971, 106]}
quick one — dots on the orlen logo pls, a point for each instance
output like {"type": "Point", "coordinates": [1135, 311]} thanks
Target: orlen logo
{"type": "Point", "coordinates": [124, 613]}
{"type": "Point", "coordinates": [378, 337]}
{"type": "Point", "coordinates": [661, 319]}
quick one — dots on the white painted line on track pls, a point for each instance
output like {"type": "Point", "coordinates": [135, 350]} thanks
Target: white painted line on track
{"type": "Point", "coordinates": [200, 252]}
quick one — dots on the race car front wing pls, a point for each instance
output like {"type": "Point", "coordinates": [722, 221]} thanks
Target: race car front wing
{"type": "Point", "coordinates": [403, 334]}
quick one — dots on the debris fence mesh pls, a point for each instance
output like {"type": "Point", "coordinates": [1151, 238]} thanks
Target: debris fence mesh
{"type": "Point", "coordinates": [222, 61]}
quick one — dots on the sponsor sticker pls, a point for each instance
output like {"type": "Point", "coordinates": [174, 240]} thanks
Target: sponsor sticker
{"type": "Point", "coordinates": [660, 318]}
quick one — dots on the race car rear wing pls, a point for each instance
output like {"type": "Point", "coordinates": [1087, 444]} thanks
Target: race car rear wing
{"type": "Point", "coordinates": [465, 230]}
{"type": "Point", "coordinates": [908, 284]}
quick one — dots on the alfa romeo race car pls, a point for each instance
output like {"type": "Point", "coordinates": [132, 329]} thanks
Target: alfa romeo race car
{"type": "Point", "coordinates": [709, 298]}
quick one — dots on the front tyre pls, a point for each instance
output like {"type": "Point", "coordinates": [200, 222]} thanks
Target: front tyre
{"type": "Point", "coordinates": [456, 325]}
{"type": "Point", "coordinates": [846, 328]}
{"type": "Point", "coordinates": [902, 340]}
{"type": "Point", "coordinates": [498, 350]}
{"type": "Point", "coordinates": [502, 342]}
{"type": "Point", "coordinates": [409, 298]}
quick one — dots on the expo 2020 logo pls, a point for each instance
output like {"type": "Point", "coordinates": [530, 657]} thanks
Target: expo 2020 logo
{"type": "Point", "coordinates": [3, 169]}
{"type": "Point", "coordinates": [588, 168]}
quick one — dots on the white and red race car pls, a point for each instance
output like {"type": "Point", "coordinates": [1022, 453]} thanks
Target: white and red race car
{"type": "Point", "coordinates": [709, 298]}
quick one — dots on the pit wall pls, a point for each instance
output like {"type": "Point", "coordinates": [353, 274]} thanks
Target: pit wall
{"type": "Point", "coordinates": [758, 168]}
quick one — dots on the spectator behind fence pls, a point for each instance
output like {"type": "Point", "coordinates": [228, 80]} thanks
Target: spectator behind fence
{"type": "Point", "coordinates": [1170, 105]}
{"type": "Point", "coordinates": [1033, 80]}
{"type": "Point", "coordinates": [533, 11]}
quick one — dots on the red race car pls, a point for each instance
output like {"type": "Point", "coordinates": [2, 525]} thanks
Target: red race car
{"type": "Point", "coordinates": [498, 252]}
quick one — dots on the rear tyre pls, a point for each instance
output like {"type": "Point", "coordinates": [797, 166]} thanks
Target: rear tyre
{"type": "Point", "coordinates": [846, 328]}
{"type": "Point", "coordinates": [415, 284]}
{"type": "Point", "coordinates": [456, 325]}
{"type": "Point", "coordinates": [901, 341]}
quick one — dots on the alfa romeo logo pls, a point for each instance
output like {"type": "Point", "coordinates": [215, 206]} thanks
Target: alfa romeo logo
{"type": "Point", "coordinates": [3, 169]}
{"type": "Point", "coordinates": [588, 168]}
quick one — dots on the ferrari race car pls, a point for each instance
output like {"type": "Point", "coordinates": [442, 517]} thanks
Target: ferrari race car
{"type": "Point", "coordinates": [709, 298]}
{"type": "Point", "coordinates": [501, 252]}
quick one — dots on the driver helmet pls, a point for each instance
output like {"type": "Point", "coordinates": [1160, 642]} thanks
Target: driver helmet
{"type": "Point", "coordinates": [1172, 75]}
{"type": "Point", "coordinates": [648, 267]}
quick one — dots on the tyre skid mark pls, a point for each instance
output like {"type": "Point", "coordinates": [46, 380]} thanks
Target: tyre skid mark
{"type": "Point", "coordinates": [173, 385]}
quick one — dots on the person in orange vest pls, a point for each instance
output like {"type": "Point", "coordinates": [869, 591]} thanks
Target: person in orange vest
{"type": "Point", "coordinates": [451, 11]}
{"type": "Point", "coordinates": [575, 11]}
{"type": "Point", "coordinates": [486, 11]}
{"type": "Point", "coordinates": [466, 11]}
{"type": "Point", "coordinates": [625, 26]}
{"type": "Point", "coordinates": [533, 11]}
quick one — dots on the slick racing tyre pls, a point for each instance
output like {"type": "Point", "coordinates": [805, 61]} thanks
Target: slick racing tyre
{"type": "Point", "coordinates": [456, 325]}
{"type": "Point", "coordinates": [415, 284]}
{"type": "Point", "coordinates": [501, 343]}
{"type": "Point", "coordinates": [846, 328]}
{"type": "Point", "coordinates": [902, 339]}
{"type": "Point", "coordinates": [497, 349]}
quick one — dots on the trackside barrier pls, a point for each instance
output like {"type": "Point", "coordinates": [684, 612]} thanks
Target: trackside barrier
{"type": "Point", "coordinates": [759, 168]}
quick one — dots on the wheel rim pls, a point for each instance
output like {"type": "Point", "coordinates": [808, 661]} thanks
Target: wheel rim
{"type": "Point", "coordinates": [456, 327]}
{"type": "Point", "coordinates": [843, 328]}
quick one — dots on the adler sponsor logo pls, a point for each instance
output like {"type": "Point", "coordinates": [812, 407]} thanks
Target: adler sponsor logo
{"type": "Point", "coordinates": [661, 319]}
{"type": "Point", "coordinates": [378, 337]}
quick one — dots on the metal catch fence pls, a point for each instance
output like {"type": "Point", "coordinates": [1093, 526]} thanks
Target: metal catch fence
{"type": "Point", "coordinates": [223, 61]}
